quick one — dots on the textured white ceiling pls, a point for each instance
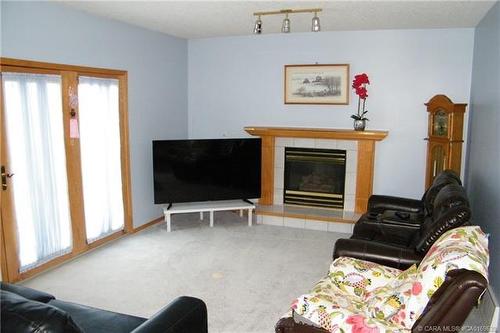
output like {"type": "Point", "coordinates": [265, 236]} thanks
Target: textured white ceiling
{"type": "Point", "coordinates": [200, 19]}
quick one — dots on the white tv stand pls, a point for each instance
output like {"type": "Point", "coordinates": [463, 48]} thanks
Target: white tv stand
{"type": "Point", "coordinates": [208, 206]}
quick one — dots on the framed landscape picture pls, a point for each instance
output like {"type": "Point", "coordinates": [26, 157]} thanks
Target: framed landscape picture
{"type": "Point", "coordinates": [317, 84]}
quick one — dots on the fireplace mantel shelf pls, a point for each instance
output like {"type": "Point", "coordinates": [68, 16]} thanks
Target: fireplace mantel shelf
{"type": "Point", "coordinates": [316, 133]}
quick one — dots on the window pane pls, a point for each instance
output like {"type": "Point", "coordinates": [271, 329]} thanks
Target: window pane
{"type": "Point", "coordinates": [35, 139]}
{"type": "Point", "coordinates": [100, 155]}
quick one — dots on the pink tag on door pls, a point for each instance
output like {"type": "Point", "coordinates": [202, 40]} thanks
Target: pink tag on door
{"type": "Point", "coordinates": [73, 128]}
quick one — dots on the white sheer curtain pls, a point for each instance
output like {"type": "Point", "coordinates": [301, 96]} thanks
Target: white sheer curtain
{"type": "Point", "coordinates": [100, 155]}
{"type": "Point", "coordinates": [35, 138]}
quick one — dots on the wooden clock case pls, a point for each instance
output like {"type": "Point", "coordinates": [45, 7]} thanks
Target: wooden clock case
{"type": "Point", "coordinates": [445, 136]}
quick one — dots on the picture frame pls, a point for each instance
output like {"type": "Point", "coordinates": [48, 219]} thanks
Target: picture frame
{"type": "Point", "coordinates": [317, 84]}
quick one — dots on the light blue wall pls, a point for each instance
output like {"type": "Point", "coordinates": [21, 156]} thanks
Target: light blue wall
{"type": "Point", "coordinates": [483, 181]}
{"type": "Point", "coordinates": [156, 65]}
{"type": "Point", "coordinates": [238, 81]}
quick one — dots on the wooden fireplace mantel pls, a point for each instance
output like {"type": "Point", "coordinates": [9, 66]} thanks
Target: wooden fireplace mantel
{"type": "Point", "coordinates": [366, 156]}
{"type": "Point", "coordinates": [316, 133]}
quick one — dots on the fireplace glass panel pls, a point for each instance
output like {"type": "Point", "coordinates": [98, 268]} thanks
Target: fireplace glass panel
{"type": "Point", "coordinates": [314, 177]}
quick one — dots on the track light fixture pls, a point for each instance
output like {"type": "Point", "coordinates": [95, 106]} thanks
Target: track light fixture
{"type": "Point", "coordinates": [285, 27]}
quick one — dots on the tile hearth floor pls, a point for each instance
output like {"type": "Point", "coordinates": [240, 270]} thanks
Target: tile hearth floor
{"type": "Point", "coordinates": [307, 218]}
{"type": "Point", "coordinates": [308, 213]}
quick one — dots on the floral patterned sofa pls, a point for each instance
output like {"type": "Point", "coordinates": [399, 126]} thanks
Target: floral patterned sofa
{"type": "Point", "coordinates": [361, 296]}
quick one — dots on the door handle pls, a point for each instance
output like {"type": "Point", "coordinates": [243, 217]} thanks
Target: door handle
{"type": "Point", "coordinates": [4, 176]}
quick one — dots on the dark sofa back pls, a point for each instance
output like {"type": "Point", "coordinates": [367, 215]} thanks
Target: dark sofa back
{"type": "Point", "coordinates": [444, 178]}
{"type": "Point", "coordinates": [451, 210]}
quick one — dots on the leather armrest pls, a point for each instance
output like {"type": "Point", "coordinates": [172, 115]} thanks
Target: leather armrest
{"type": "Point", "coordinates": [288, 325]}
{"type": "Point", "coordinates": [380, 203]}
{"type": "Point", "coordinates": [183, 315]}
{"type": "Point", "coordinates": [31, 294]}
{"type": "Point", "coordinates": [450, 305]}
{"type": "Point", "coordinates": [384, 254]}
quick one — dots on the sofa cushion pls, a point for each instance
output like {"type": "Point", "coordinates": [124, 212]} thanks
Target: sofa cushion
{"type": "Point", "coordinates": [357, 277]}
{"type": "Point", "coordinates": [31, 294]}
{"type": "Point", "coordinates": [334, 311]}
{"type": "Point", "coordinates": [391, 302]}
{"type": "Point", "coordinates": [337, 302]}
{"type": "Point", "coordinates": [21, 315]}
{"type": "Point", "coordinates": [97, 320]}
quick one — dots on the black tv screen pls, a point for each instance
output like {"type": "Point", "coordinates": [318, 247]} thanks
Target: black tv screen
{"type": "Point", "coordinates": [206, 170]}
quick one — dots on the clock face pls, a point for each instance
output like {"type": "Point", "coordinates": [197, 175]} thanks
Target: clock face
{"type": "Point", "coordinates": [440, 123]}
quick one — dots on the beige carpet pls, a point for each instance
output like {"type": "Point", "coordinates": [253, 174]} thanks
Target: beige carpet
{"type": "Point", "coordinates": [247, 276]}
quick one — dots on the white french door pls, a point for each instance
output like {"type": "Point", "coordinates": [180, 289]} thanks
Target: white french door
{"type": "Point", "coordinates": [35, 136]}
{"type": "Point", "coordinates": [64, 163]}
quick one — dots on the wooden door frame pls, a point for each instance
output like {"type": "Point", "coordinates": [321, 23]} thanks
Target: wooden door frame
{"type": "Point", "coordinates": [69, 78]}
{"type": "Point", "coordinates": [3, 197]}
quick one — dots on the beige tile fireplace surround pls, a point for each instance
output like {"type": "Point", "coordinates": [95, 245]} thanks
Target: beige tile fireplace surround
{"type": "Point", "coordinates": [360, 151]}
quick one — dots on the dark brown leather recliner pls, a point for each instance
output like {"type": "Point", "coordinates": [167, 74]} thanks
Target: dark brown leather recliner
{"type": "Point", "coordinates": [446, 311]}
{"type": "Point", "coordinates": [378, 204]}
{"type": "Point", "coordinates": [399, 241]}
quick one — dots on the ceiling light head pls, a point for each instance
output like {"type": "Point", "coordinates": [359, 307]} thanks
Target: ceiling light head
{"type": "Point", "coordinates": [285, 28]}
{"type": "Point", "coordinates": [315, 23]}
{"type": "Point", "coordinates": [258, 26]}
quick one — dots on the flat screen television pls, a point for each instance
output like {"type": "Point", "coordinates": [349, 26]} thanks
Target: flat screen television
{"type": "Point", "coordinates": [206, 170]}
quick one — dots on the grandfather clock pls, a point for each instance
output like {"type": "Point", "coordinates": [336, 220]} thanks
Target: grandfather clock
{"type": "Point", "coordinates": [445, 136]}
